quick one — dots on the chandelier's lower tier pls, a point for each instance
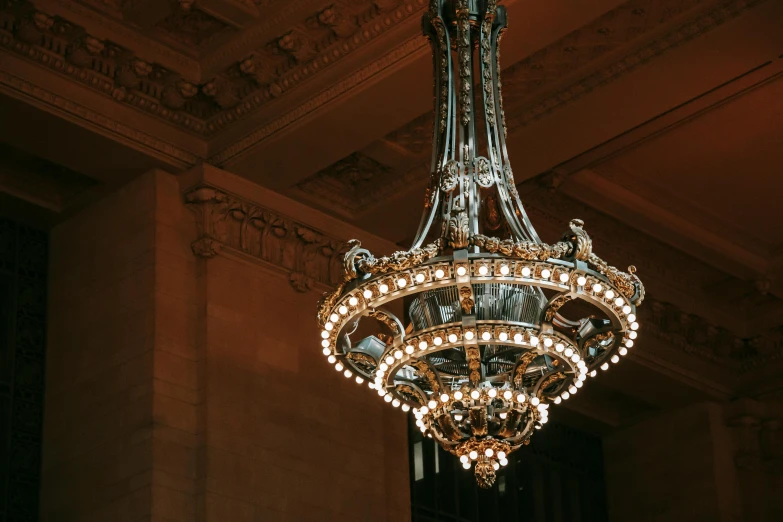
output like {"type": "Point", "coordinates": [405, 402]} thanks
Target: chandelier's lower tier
{"type": "Point", "coordinates": [487, 347]}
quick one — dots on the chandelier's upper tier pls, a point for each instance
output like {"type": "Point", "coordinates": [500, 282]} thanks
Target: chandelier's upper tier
{"type": "Point", "coordinates": [499, 324]}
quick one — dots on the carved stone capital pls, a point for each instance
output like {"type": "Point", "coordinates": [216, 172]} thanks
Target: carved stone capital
{"type": "Point", "coordinates": [227, 223]}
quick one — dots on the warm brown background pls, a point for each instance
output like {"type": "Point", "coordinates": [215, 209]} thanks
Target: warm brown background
{"type": "Point", "coordinates": [184, 378]}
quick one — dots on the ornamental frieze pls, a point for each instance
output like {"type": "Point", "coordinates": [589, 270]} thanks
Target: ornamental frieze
{"type": "Point", "coordinates": [227, 224]}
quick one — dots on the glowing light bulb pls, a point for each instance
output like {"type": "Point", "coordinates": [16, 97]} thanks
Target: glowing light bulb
{"type": "Point", "coordinates": [383, 367]}
{"type": "Point", "coordinates": [631, 318]}
{"type": "Point", "coordinates": [329, 326]}
{"type": "Point", "coordinates": [452, 338]}
{"type": "Point", "coordinates": [557, 400]}
{"type": "Point", "coordinates": [545, 273]}
{"type": "Point", "coordinates": [508, 394]}
{"type": "Point", "coordinates": [432, 404]}
{"type": "Point", "coordinates": [629, 343]}
{"type": "Point", "coordinates": [424, 410]}
{"type": "Point", "coordinates": [634, 326]}
{"type": "Point", "coordinates": [339, 367]}
{"type": "Point", "coordinates": [409, 349]}
{"type": "Point", "coordinates": [444, 397]}
{"type": "Point", "coordinates": [324, 334]}
{"type": "Point", "coordinates": [381, 392]}
{"type": "Point", "coordinates": [486, 336]}
{"type": "Point", "coordinates": [353, 301]}
{"type": "Point", "coordinates": [483, 270]}
{"type": "Point", "coordinates": [457, 417]}
{"type": "Point", "coordinates": [503, 415]}
{"type": "Point", "coordinates": [563, 277]}
{"type": "Point", "coordinates": [398, 354]}
{"type": "Point", "coordinates": [565, 395]}
{"type": "Point", "coordinates": [473, 455]}
{"type": "Point", "coordinates": [581, 281]}
{"type": "Point", "coordinates": [518, 337]}
{"type": "Point", "coordinates": [572, 389]}
{"type": "Point", "coordinates": [383, 288]}
{"type": "Point", "coordinates": [367, 293]}
{"type": "Point", "coordinates": [503, 336]}
{"type": "Point", "coordinates": [526, 271]}
{"type": "Point", "coordinates": [359, 380]}
{"type": "Point", "coordinates": [401, 282]}
{"type": "Point", "coordinates": [548, 342]}
{"type": "Point", "coordinates": [504, 462]}
{"type": "Point", "coordinates": [458, 395]}
{"type": "Point", "coordinates": [348, 374]}
{"type": "Point", "coordinates": [579, 383]}
{"type": "Point", "coordinates": [389, 360]}
{"type": "Point", "coordinates": [575, 357]}
{"type": "Point", "coordinates": [325, 343]}
{"type": "Point", "coordinates": [332, 359]}
{"type": "Point", "coordinates": [597, 288]}
{"type": "Point", "coordinates": [615, 359]}
{"type": "Point", "coordinates": [405, 407]}
{"type": "Point", "coordinates": [387, 398]}
{"type": "Point", "coordinates": [560, 347]}
{"type": "Point", "coordinates": [461, 271]}
{"type": "Point", "coordinates": [469, 335]}
{"type": "Point", "coordinates": [344, 309]}
{"type": "Point", "coordinates": [439, 273]}
{"type": "Point", "coordinates": [422, 345]}
{"type": "Point", "coordinates": [632, 335]}
{"type": "Point", "coordinates": [619, 301]}
{"type": "Point", "coordinates": [534, 340]}
{"type": "Point", "coordinates": [379, 376]}
{"type": "Point", "coordinates": [438, 340]}
{"type": "Point", "coordinates": [535, 401]}
{"type": "Point", "coordinates": [623, 351]}
{"type": "Point", "coordinates": [593, 373]}
{"type": "Point", "coordinates": [605, 366]}
{"type": "Point", "coordinates": [521, 398]}
{"type": "Point", "coordinates": [489, 452]}
{"type": "Point", "coordinates": [420, 277]}
{"type": "Point", "coordinates": [475, 395]}
{"type": "Point", "coordinates": [396, 403]}
{"type": "Point", "coordinates": [504, 269]}
{"type": "Point", "coordinates": [464, 459]}
{"type": "Point", "coordinates": [626, 309]}
{"type": "Point", "coordinates": [492, 392]}
{"type": "Point", "coordinates": [327, 351]}
{"type": "Point", "coordinates": [609, 294]}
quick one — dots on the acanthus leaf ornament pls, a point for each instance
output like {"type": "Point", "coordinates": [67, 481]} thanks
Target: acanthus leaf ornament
{"type": "Point", "coordinates": [485, 354]}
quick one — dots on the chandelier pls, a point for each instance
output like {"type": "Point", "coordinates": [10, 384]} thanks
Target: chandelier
{"type": "Point", "coordinates": [480, 327]}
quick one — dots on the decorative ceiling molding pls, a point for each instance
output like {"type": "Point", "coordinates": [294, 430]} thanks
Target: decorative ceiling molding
{"type": "Point", "coordinates": [70, 110]}
{"type": "Point", "coordinates": [230, 224]}
{"type": "Point", "coordinates": [355, 183]}
{"type": "Point", "coordinates": [397, 55]}
{"type": "Point", "coordinates": [616, 30]}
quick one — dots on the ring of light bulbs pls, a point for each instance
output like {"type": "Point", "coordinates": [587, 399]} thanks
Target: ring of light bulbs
{"type": "Point", "coordinates": [501, 396]}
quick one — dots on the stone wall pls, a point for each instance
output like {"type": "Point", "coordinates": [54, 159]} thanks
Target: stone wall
{"type": "Point", "coordinates": [189, 387]}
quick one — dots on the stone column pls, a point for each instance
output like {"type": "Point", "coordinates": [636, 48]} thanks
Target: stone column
{"type": "Point", "coordinates": [185, 375]}
{"type": "Point", "coordinates": [678, 466]}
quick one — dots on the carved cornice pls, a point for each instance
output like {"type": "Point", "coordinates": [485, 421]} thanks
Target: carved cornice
{"type": "Point", "coordinates": [20, 88]}
{"type": "Point", "coordinates": [227, 223]}
{"type": "Point", "coordinates": [207, 106]}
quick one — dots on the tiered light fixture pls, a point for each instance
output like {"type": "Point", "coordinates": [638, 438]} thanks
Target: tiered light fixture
{"type": "Point", "coordinates": [490, 342]}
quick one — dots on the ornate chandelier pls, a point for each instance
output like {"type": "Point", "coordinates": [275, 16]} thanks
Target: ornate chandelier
{"type": "Point", "coordinates": [499, 324]}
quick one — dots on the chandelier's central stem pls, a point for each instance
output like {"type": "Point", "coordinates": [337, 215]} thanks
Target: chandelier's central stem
{"type": "Point", "coordinates": [472, 184]}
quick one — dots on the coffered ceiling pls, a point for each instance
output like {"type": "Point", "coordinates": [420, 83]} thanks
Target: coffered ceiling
{"type": "Point", "coordinates": [658, 122]}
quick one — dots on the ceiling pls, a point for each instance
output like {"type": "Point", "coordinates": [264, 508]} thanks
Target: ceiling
{"type": "Point", "coordinates": [658, 122]}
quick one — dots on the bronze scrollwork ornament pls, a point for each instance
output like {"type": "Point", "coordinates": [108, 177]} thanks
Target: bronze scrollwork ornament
{"type": "Point", "coordinates": [490, 340]}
